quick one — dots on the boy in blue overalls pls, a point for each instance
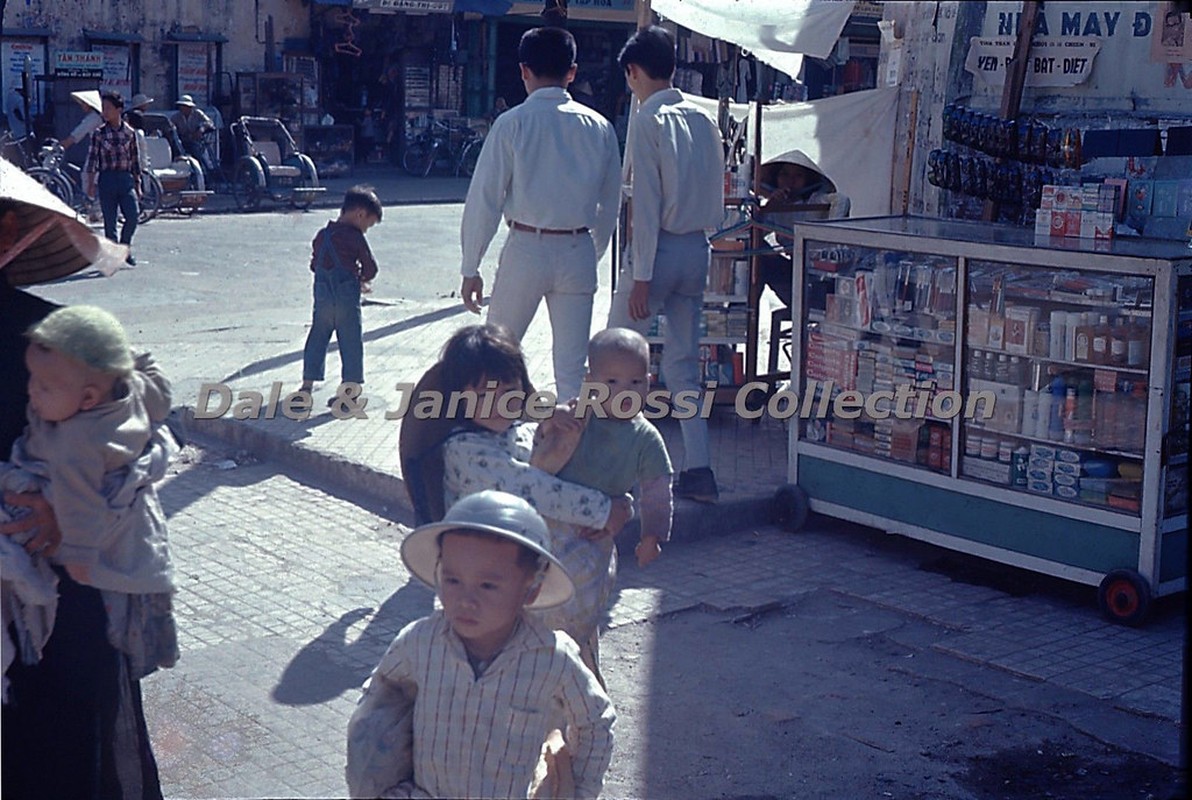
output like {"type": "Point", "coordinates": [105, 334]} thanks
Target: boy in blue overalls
{"type": "Point", "coordinates": [344, 267]}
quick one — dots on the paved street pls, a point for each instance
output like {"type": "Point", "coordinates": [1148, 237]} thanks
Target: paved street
{"type": "Point", "coordinates": [747, 662]}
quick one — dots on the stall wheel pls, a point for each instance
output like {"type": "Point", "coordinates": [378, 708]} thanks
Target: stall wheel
{"type": "Point", "coordinates": [790, 507]}
{"type": "Point", "coordinates": [1124, 596]}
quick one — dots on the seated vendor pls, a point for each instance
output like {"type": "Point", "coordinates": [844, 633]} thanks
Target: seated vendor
{"type": "Point", "coordinates": [793, 178]}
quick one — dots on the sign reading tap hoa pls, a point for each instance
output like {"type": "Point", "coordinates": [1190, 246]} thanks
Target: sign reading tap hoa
{"type": "Point", "coordinates": [1051, 62]}
{"type": "Point", "coordinates": [78, 64]}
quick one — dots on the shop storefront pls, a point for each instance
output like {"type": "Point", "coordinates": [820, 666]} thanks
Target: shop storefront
{"type": "Point", "coordinates": [385, 65]}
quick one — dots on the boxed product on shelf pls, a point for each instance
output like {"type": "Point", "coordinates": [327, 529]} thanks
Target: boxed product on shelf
{"type": "Point", "coordinates": [714, 322]}
{"type": "Point", "coordinates": [737, 321]}
{"type": "Point", "coordinates": [1020, 328]}
{"type": "Point", "coordinates": [978, 326]}
{"type": "Point", "coordinates": [992, 471]}
{"type": "Point", "coordinates": [841, 432]}
{"type": "Point", "coordinates": [728, 276]}
{"type": "Point", "coordinates": [1073, 223]}
{"type": "Point", "coordinates": [716, 364]}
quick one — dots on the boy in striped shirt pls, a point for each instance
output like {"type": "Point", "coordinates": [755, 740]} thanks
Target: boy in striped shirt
{"type": "Point", "coordinates": [463, 700]}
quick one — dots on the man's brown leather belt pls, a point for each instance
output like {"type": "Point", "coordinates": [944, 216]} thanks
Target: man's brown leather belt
{"type": "Point", "coordinates": [517, 226]}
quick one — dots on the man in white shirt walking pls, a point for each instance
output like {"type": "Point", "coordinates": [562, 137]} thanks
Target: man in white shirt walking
{"type": "Point", "coordinates": [675, 159]}
{"type": "Point", "coordinates": [551, 168]}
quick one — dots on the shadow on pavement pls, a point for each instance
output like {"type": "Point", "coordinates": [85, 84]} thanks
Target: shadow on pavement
{"type": "Point", "coordinates": [295, 356]}
{"type": "Point", "coordinates": [330, 665]}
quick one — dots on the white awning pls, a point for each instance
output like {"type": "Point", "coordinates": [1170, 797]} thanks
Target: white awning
{"type": "Point", "coordinates": [849, 136]}
{"type": "Point", "coordinates": [777, 32]}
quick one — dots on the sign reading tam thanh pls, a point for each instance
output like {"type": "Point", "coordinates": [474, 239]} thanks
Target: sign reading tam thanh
{"type": "Point", "coordinates": [78, 64]}
{"type": "Point", "coordinates": [1051, 62]}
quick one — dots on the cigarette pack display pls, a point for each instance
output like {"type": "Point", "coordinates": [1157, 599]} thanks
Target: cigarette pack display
{"type": "Point", "coordinates": [1042, 222]}
{"type": "Point", "coordinates": [1066, 197]}
{"type": "Point", "coordinates": [1047, 197]}
{"type": "Point", "coordinates": [1138, 206]}
{"type": "Point", "coordinates": [1166, 199]}
{"type": "Point", "coordinates": [1118, 186]}
{"type": "Point", "coordinates": [1184, 200]}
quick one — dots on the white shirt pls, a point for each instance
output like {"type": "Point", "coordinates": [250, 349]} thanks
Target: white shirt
{"type": "Point", "coordinates": [675, 159]}
{"type": "Point", "coordinates": [476, 737]}
{"type": "Point", "coordinates": [88, 124]}
{"type": "Point", "coordinates": [550, 163]}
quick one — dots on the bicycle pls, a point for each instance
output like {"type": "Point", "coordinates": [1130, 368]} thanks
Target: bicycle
{"type": "Point", "coordinates": [19, 149]}
{"type": "Point", "coordinates": [459, 145]}
{"type": "Point", "coordinates": [50, 173]}
{"type": "Point", "coordinates": [65, 181]}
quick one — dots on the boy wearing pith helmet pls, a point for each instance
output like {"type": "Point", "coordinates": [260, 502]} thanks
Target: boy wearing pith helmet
{"type": "Point", "coordinates": [463, 700]}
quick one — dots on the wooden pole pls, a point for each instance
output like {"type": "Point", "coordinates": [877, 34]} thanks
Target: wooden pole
{"type": "Point", "coordinates": [1016, 75]}
{"type": "Point", "coordinates": [645, 17]}
{"type": "Point", "coordinates": [910, 152]}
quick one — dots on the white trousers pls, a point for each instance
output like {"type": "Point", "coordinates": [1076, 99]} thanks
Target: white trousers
{"type": "Point", "coordinates": [561, 268]}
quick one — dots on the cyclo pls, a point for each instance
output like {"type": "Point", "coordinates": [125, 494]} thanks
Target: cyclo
{"type": "Point", "coordinates": [268, 164]}
{"type": "Point", "coordinates": [183, 185]}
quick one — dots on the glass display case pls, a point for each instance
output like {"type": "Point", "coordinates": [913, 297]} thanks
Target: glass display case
{"type": "Point", "coordinates": [1066, 356]}
{"type": "Point", "coordinates": [1020, 399]}
{"type": "Point", "coordinates": [880, 326]}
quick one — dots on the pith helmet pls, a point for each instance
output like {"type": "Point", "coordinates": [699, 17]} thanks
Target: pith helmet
{"type": "Point", "coordinates": [496, 512]}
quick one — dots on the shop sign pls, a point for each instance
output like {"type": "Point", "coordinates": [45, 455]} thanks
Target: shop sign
{"type": "Point", "coordinates": [412, 6]}
{"type": "Point", "coordinates": [117, 71]}
{"type": "Point", "coordinates": [1052, 61]}
{"type": "Point", "coordinates": [605, 5]}
{"type": "Point", "coordinates": [192, 71]}
{"type": "Point", "coordinates": [78, 64]}
{"type": "Point", "coordinates": [867, 9]}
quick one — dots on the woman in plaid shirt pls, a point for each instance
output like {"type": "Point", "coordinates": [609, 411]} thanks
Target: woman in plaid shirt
{"type": "Point", "coordinates": [115, 160]}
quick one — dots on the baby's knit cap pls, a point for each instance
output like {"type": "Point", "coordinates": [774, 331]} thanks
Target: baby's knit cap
{"type": "Point", "coordinates": [89, 334]}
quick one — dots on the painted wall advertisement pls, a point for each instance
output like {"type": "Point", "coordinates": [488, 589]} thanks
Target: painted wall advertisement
{"type": "Point", "coordinates": [13, 53]}
{"type": "Point", "coordinates": [192, 71]}
{"type": "Point", "coordinates": [1171, 45]}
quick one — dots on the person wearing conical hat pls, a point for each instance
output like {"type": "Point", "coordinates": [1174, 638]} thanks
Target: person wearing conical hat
{"type": "Point", "coordinates": [793, 179]}
{"type": "Point", "coordinates": [89, 101]}
{"type": "Point", "coordinates": [74, 715]}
